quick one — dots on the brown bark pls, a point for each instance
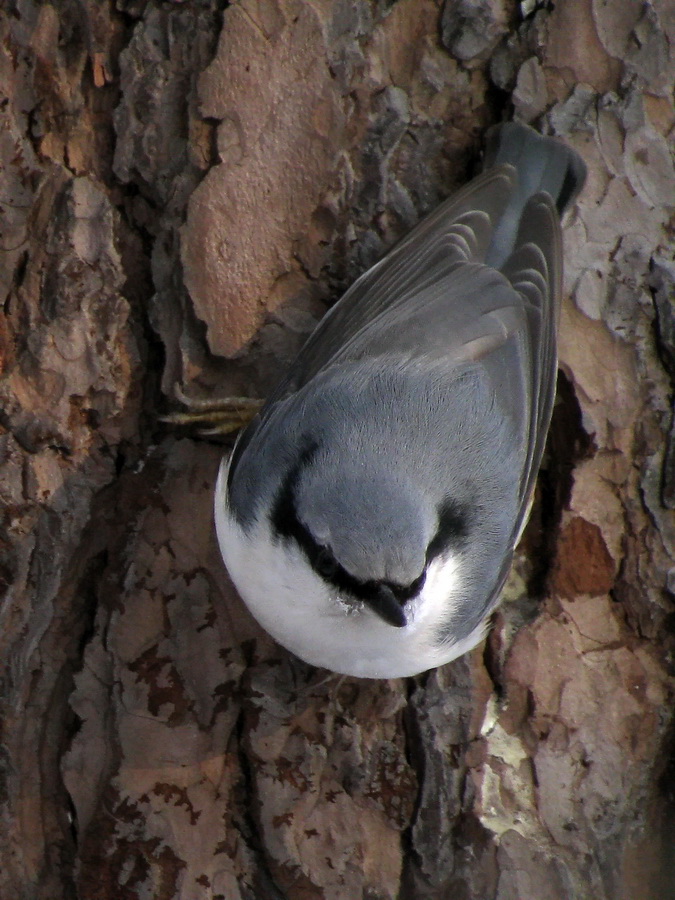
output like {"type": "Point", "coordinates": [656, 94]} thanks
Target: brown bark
{"type": "Point", "coordinates": [184, 187]}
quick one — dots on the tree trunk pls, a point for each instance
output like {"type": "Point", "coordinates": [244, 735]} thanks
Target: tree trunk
{"type": "Point", "coordinates": [184, 188]}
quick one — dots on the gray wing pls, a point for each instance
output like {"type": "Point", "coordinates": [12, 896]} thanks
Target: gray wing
{"type": "Point", "coordinates": [431, 299]}
{"type": "Point", "coordinates": [457, 232]}
{"type": "Point", "coordinates": [535, 271]}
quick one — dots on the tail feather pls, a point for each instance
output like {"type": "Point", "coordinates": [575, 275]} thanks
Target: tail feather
{"type": "Point", "coordinates": [543, 164]}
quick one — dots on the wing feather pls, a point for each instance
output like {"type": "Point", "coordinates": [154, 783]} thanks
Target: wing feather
{"type": "Point", "coordinates": [458, 231]}
{"type": "Point", "coordinates": [535, 271]}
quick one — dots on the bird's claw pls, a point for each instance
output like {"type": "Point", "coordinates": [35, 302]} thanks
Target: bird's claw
{"type": "Point", "coordinates": [213, 417]}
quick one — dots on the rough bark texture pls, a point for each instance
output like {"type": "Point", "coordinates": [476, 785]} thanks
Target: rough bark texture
{"type": "Point", "coordinates": [184, 187]}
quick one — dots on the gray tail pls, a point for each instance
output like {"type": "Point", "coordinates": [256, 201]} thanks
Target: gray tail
{"type": "Point", "coordinates": [544, 164]}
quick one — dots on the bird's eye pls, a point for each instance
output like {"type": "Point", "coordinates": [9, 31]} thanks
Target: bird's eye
{"type": "Point", "coordinates": [325, 563]}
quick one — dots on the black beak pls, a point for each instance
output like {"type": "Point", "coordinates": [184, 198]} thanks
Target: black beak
{"type": "Point", "coordinates": [383, 602]}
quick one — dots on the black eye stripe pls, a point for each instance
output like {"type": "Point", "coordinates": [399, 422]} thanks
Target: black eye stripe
{"type": "Point", "coordinates": [284, 517]}
{"type": "Point", "coordinates": [325, 563]}
{"type": "Point", "coordinates": [453, 528]}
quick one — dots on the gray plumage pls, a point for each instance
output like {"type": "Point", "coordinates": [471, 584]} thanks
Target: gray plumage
{"type": "Point", "coordinates": [415, 417]}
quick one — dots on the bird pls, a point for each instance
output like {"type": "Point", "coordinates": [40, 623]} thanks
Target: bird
{"type": "Point", "coordinates": [369, 512]}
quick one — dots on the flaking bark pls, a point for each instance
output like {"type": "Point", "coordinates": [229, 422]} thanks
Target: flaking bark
{"type": "Point", "coordinates": [185, 187]}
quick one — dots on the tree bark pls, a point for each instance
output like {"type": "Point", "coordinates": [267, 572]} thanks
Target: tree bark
{"type": "Point", "coordinates": [185, 188]}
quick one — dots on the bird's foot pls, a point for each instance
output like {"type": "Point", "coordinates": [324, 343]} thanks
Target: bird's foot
{"type": "Point", "coordinates": [214, 417]}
